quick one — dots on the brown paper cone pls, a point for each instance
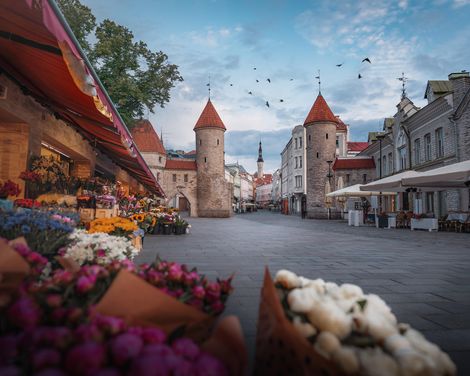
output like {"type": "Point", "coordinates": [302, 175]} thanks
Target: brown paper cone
{"type": "Point", "coordinates": [280, 349]}
{"type": "Point", "coordinates": [140, 303]}
{"type": "Point", "coordinates": [228, 344]}
{"type": "Point", "coordinates": [13, 267]}
{"type": "Point", "coordinates": [68, 264]}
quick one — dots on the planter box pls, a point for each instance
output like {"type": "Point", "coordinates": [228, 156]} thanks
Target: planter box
{"type": "Point", "coordinates": [180, 230]}
{"type": "Point", "coordinates": [167, 229]}
{"type": "Point", "coordinates": [429, 224]}
{"type": "Point", "coordinates": [86, 215]}
{"type": "Point", "coordinates": [105, 213]}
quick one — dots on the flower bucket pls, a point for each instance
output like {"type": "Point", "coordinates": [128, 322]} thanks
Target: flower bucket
{"type": "Point", "coordinates": [167, 229]}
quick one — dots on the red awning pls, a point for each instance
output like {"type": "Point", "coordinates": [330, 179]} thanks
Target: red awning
{"type": "Point", "coordinates": [39, 54]}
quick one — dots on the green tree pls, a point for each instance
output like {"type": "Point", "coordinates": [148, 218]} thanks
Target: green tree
{"type": "Point", "coordinates": [81, 21]}
{"type": "Point", "coordinates": [135, 77]}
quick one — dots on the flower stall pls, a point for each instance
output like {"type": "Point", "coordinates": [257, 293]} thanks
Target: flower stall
{"type": "Point", "coordinates": [102, 313]}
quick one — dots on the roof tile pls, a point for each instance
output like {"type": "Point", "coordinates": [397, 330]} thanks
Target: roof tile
{"type": "Point", "coordinates": [178, 164]}
{"type": "Point", "coordinates": [209, 118]}
{"type": "Point", "coordinates": [146, 138]}
{"type": "Point", "coordinates": [320, 112]}
{"type": "Point", "coordinates": [357, 146]}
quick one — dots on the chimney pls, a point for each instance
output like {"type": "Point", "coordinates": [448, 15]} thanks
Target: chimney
{"type": "Point", "coordinates": [460, 85]}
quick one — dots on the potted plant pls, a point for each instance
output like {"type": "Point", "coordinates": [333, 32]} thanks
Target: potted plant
{"type": "Point", "coordinates": [383, 220]}
{"type": "Point", "coordinates": [180, 226]}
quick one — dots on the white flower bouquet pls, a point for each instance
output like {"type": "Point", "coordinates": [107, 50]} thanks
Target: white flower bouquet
{"type": "Point", "coordinates": [98, 248]}
{"type": "Point", "coordinates": [340, 330]}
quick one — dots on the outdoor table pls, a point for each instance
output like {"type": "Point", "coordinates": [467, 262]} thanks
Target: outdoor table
{"type": "Point", "coordinates": [392, 222]}
{"type": "Point", "coordinates": [460, 217]}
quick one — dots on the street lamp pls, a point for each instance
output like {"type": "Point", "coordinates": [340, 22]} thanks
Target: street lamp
{"type": "Point", "coordinates": [329, 176]}
{"type": "Point", "coordinates": [380, 137]}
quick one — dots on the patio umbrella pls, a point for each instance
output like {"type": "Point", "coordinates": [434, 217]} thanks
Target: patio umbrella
{"type": "Point", "coordinates": [355, 191]}
{"type": "Point", "coordinates": [392, 183]}
{"type": "Point", "coordinates": [456, 175]}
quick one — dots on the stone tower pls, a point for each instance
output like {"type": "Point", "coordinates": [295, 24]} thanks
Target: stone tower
{"type": "Point", "coordinates": [213, 191]}
{"type": "Point", "coordinates": [320, 126]}
{"type": "Point", "coordinates": [260, 162]}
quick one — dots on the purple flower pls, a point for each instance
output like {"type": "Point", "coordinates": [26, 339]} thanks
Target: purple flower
{"type": "Point", "coordinates": [157, 349]}
{"type": "Point", "coordinates": [88, 332]}
{"type": "Point", "coordinates": [198, 292]}
{"type": "Point", "coordinates": [50, 372]}
{"type": "Point", "coordinates": [10, 371]}
{"type": "Point", "coordinates": [85, 284]}
{"type": "Point", "coordinates": [185, 347]}
{"type": "Point", "coordinates": [24, 313]}
{"type": "Point", "coordinates": [54, 300]}
{"type": "Point", "coordinates": [183, 368]}
{"type": "Point", "coordinates": [8, 348]}
{"type": "Point", "coordinates": [101, 253]}
{"type": "Point", "coordinates": [125, 347]}
{"type": "Point", "coordinates": [44, 358]}
{"type": "Point", "coordinates": [153, 335]}
{"type": "Point", "coordinates": [151, 365]}
{"type": "Point", "coordinates": [175, 272]}
{"type": "Point", "coordinates": [212, 291]}
{"type": "Point", "coordinates": [85, 359]}
{"type": "Point", "coordinates": [112, 325]}
{"type": "Point", "coordinates": [107, 372]}
{"type": "Point", "coordinates": [217, 307]}
{"type": "Point", "coordinates": [207, 365]}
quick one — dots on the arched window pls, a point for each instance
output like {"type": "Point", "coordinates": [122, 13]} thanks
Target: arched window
{"type": "Point", "coordinates": [205, 159]}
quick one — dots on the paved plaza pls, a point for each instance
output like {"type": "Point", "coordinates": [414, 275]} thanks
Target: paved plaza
{"type": "Point", "coordinates": [424, 277]}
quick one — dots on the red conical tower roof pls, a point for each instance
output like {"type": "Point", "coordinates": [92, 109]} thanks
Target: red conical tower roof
{"type": "Point", "coordinates": [320, 112]}
{"type": "Point", "coordinates": [209, 118]}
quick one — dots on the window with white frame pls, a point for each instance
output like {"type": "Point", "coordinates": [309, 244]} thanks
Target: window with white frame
{"type": "Point", "coordinates": [402, 155]}
{"type": "Point", "coordinates": [417, 151]}
{"type": "Point", "coordinates": [298, 181]}
{"type": "Point", "coordinates": [427, 147]}
{"type": "Point", "coordinates": [390, 163]}
{"type": "Point", "coordinates": [439, 142]}
{"type": "Point", "coordinates": [300, 142]}
{"type": "Point", "coordinates": [300, 162]}
{"type": "Point", "coordinates": [295, 143]}
{"type": "Point", "coordinates": [296, 162]}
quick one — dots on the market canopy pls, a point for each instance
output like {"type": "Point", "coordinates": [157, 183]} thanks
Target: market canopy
{"type": "Point", "coordinates": [355, 191]}
{"type": "Point", "coordinates": [456, 175]}
{"type": "Point", "coordinates": [393, 183]}
{"type": "Point", "coordinates": [39, 52]}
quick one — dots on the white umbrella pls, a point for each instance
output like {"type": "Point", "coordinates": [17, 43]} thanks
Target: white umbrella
{"type": "Point", "coordinates": [392, 183]}
{"type": "Point", "coordinates": [456, 175]}
{"type": "Point", "coordinates": [355, 191]}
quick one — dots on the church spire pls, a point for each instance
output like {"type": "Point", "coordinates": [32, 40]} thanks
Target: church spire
{"type": "Point", "coordinates": [260, 153]}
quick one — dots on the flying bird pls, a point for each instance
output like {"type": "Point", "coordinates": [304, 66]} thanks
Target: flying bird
{"type": "Point", "coordinates": [250, 93]}
{"type": "Point", "coordinates": [257, 80]}
{"type": "Point", "coordinates": [291, 79]}
{"type": "Point", "coordinates": [254, 68]}
{"type": "Point", "coordinates": [208, 84]}
{"type": "Point", "coordinates": [269, 80]}
{"type": "Point", "coordinates": [359, 76]}
{"type": "Point", "coordinates": [267, 104]}
{"type": "Point", "coordinates": [231, 84]}
{"type": "Point", "coordinates": [317, 77]}
{"type": "Point", "coordinates": [366, 59]}
{"type": "Point", "coordinates": [339, 65]}
{"type": "Point", "coordinates": [281, 100]}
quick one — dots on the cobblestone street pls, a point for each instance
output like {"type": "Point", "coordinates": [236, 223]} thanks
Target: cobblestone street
{"type": "Point", "coordinates": [424, 277]}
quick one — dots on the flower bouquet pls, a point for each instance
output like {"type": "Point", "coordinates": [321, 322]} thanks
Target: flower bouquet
{"type": "Point", "coordinates": [9, 188]}
{"type": "Point", "coordinates": [329, 329]}
{"type": "Point", "coordinates": [105, 202]}
{"type": "Point", "coordinates": [117, 226]}
{"type": "Point", "coordinates": [44, 233]}
{"type": "Point", "coordinates": [98, 248]}
{"type": "Point", "coordinates": [27, 203]}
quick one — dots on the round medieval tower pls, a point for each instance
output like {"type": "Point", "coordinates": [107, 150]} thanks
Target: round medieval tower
{"type": "Point", "coordinates": [213, 191]}
{"type": "Point", "coordinates": [320, 143]}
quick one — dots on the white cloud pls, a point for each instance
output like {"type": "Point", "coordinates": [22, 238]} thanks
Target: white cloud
{"type": "Point", "coordinates": [461, 3]}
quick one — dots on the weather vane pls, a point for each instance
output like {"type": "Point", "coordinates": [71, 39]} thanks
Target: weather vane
{"type": "Point", "coordinates": [403, 80]}
{"type": "Point", "coordinates": [209, 87]}
{"type": "Point", "coordinates": [319, 82]}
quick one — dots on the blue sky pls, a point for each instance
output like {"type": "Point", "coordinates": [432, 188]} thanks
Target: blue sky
{"type": "Point", "coordinates": [288, 40]}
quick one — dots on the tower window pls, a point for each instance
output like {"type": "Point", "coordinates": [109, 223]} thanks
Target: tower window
{"type": "Point", "coordinates": [318, 155]}
{"type": "Point", "coordinates": [200, 142]}
{"type": "Point", "coordinates": [205, 159]}
{"type": "Point", "coordinates": [327, 136]}
{"type": "Point", "coordinates": [217, 141]}
{"type": "Point", "coordinates": [185, 178]}
{"type": "Point", "coordinates": [174, 178]}
{"type": "Point", "coordinates": [159, 159]}
{"type": "Point", "coordinates": [309, 138]}
{"type": "Point", "coordinates": [364, 178]}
